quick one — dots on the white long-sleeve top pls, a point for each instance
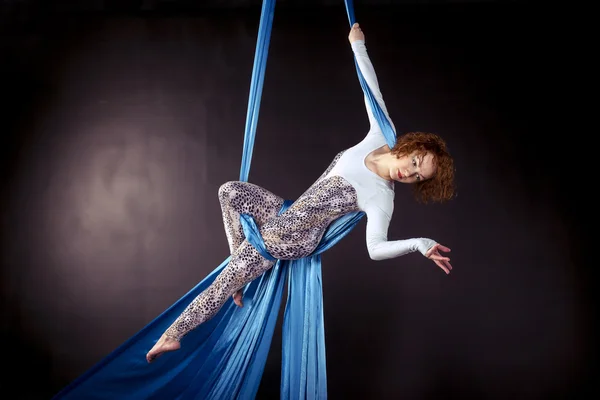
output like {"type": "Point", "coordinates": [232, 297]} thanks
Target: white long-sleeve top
{"type": "Point", "coordinates": [375, 195]}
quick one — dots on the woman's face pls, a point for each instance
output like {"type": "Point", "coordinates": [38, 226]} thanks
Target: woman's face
{"type": "Point", "coordinates": [413, 168]}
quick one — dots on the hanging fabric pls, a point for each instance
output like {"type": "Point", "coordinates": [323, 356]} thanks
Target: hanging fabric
{"type": "Point", "coordinates": [224, 358]}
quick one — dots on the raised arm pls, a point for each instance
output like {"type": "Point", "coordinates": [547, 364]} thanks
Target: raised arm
{"type": "Point", "coordinates": [357, 42]}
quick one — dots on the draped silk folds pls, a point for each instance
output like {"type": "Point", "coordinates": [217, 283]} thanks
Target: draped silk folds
{"type": "Point", "coordinates": [224, 358]}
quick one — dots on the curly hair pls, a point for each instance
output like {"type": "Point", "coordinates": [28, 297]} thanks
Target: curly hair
{"type": "Point", "coordinates": [440, 188]}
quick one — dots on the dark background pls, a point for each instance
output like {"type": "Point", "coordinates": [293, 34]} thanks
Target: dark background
{"type": "Point", "coordinates": [121, 119]}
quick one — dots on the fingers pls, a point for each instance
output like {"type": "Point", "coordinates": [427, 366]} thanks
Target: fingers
{"type": "Point", "coordinates": [445, 266]}
{"type": "Point", "coordinates": [443, 248]}
{"type": "Point", "coordinates": [355, 29]}
{"type": "Point", "coordinates": [445, 260]}
{"type": "Point", "coordinates": [438, 257]}
{"type": "Point", "coordinates": [442, 262]}
{"type": "Point", "coordinates": [448, 265]}
{"type": "Point", "coordinates": [434, 254]}
{"type": "Point", "coordinates": [442, 266]}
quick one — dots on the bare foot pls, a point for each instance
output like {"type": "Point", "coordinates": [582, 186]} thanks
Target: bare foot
{"type": "Point", "coordinates": [237, 298]}
{"type": "Point", "coordinates": [163, 345]}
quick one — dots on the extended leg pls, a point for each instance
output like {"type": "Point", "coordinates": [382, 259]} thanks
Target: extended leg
{"type": "Point", "coordinates": [245, 266]}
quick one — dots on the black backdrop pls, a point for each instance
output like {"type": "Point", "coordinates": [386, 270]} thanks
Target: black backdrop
{"type": "Point", "coordinates": [121, 120]}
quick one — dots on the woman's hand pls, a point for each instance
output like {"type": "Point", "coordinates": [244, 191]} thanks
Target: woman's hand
{"type": "Point", "coordinates": [441, 261]}
{"type": "Point", "coordinates": [356, 33]}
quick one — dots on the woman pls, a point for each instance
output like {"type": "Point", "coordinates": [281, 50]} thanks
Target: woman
{"type": "Point", "coordinates": [360, 178]}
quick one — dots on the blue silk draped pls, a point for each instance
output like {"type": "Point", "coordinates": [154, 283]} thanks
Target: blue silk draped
{"type": "Point", "coordinates": [224, 358]}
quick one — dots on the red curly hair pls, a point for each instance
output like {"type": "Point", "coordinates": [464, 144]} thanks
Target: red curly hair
{"type": "Point", "coordinates": [440, 188]}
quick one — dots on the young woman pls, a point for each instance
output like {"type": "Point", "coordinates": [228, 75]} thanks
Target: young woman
{"type": "Point", "coordinates": [360, 178]}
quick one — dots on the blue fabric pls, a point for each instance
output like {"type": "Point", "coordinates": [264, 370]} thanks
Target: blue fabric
{"type": "Point", "coordinates": [224, 358]}
{"type": "Point", "coordinates": [256, 84]}
{"type": "Point", "coordinates": [252, 234]}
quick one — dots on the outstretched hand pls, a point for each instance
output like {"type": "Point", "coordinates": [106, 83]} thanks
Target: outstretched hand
{"type": "Point", "coordinates": [442, 261]}
{"type": "Point", "coordinates": [356, 33]}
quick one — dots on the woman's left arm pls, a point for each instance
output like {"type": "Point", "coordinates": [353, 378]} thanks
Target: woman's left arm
{"type": "Point", "coordinates": [357, 42]}
{"type": "Point", "coordinates": [380, 248]}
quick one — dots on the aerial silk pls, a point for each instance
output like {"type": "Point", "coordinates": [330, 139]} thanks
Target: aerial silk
{"type": "Point", "coordinates": [224, 358]}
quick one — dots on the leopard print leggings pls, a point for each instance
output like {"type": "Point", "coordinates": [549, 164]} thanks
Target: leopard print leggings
{"type": "Point", "coordinates": [292, 235]}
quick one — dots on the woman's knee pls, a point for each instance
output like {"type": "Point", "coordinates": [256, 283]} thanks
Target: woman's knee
{"type": "Point", "coordinates": [228, 190]}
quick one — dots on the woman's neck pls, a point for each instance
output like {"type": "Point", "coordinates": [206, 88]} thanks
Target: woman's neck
{"type": "Point", "coordinates": [378, 162]}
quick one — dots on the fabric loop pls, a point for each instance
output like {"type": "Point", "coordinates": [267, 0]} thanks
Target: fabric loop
{"type": "Point", "coordinates": [252, 231]}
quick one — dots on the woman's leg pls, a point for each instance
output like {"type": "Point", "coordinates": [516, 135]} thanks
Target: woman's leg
{"type": "Point", "coordinates": [246, 264]}
{"type": "Point", "coordinates": [237, 198]}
